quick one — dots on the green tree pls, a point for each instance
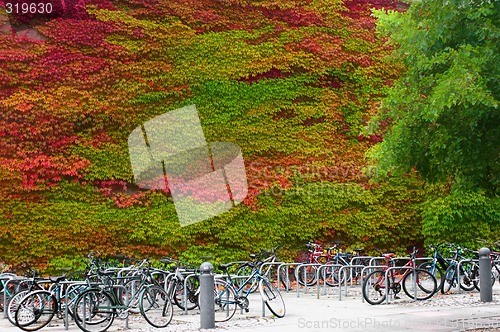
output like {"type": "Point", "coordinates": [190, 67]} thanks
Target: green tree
{"type": "Point", "coordinates": [443, 116]}
{"type": "Point", "coordinates": [444, 111]}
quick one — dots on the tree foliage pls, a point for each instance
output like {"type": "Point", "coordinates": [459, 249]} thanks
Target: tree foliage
{"type": "Point", "coordinates": [443, 116]}
{"type": "Point", "coordinates": [444, 111]}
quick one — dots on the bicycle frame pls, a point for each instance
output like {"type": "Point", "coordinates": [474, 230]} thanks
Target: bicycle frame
{"type": "Point", "coordinates": [254, 277]}
{"type": "Point", "coordinates": [407, 267]}
{"type": "Point", "coordinates": [438, 261]}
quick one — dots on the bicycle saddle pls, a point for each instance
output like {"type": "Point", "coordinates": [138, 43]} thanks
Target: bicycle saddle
{"type": "Point", "coordinates": [388, 255]}
{"type": "Point", "coordinates": [224, 267]}
{"type": "Point", "coordinates": [358, 250]}
{"type": "Point", "coordinates": [58, 278]}
{"type": "Point", "coordinates": [166, 260]}
{"type": "Point", "coordinates": [106, 273]}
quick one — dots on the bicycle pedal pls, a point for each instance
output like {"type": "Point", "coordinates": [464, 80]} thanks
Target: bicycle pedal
{"type": "Point", "coordinates": [247, 310]}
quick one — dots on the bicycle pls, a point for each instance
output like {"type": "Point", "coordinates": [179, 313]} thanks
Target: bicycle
{"type": "Point", "coordinates": [25, 287]}
{"type": "Point", "coordinates": [495, 269]}
{"type": "Point", "coordinates": [37, 308]}
{"type": "Point", "coordinates": [258, 260]}
{"type": "Point", "coordinates": [185, 299]}
{"type": "Point", "coordinates": [315, 255]}
{"type": "Point", "coordinates": [416, 283]}
{"type": "Point", "coordinates": [438, 265]}
{"type": "Point", "coordinates": [228, 295]}
{"type": "Point", "coordinates": [473, 273]}
{"type": "Point", "coordinates": [343, 259]}
{"type": "Point", "coordinates": [466, 273]}
{"type": "Point", "coordinates": [34, 283]}
{"type": "Point", "coordinates": [495, 265]}
{"type": "Point", "coordinates": [96, 307]}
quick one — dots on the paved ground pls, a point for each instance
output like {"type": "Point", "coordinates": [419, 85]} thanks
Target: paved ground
{"type": "Point", "coordinates": [442, 313]}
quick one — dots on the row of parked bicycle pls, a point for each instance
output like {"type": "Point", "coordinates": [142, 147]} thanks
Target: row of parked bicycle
{"type": "Point", "coordinates": [108, 291]}
{"type": "Point", "coordinates": [420, 277]}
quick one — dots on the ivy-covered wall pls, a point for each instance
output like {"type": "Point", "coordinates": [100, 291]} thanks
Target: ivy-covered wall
{"type": "Point", "coordinates": [293, 83]}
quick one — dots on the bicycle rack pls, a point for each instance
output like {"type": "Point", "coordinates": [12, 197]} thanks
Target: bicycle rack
{"type": "Point", "coordinates": [297, 271]}
{"type": "Point", "coordinates": [126, 301]}
{"type": "Point", "coordinates": [363, 274]}
{"type": "Point", "coordinates": [71, 284]}
{"type": "Point", "coordinates": [192, 275]}
{"type": "Point", "coordinates": [270, 264]}
{"type": "Point", "coordinates": [422, 259]}
{"type": "Point", "coordinates": [263, 307]}
{"type": "Point", "coordinates": [167, 280]}
{"type": "Point", "coordinates": [318, 273]}
{"type": "Point", "coordinates": [373, 261]}
{"type": "Point", "coordinates": [122, 270]}
{"type": "Point", "coordinates": [401, 258]}
{"type": "Point", "coordinates": [387, 281]}
{"type": "Point", "coordinates": [342, 270]}
{"type": "Point", "coordinates": [366, 259]}
{"type": "Point", "coordinates": [286, 265]}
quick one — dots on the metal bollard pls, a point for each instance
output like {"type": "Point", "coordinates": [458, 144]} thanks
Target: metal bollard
{"type": "Point", "coordinates": [207, 300]}
{"type": "Point", "coordinates": [485, 275]}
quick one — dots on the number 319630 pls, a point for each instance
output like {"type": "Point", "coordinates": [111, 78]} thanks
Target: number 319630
{"type": "Point", "coordinates": [28, 8]}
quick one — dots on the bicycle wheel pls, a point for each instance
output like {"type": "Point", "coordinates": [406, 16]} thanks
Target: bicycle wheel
{"type": "Point", "coordinates": [242, 272]}
{"type": "Point", "coordinates": [436, 271]}
{"type": "Point", "coordinates": [307, 276]}
{"type": "Point", "coordinates": [225, 301]}
{"type": "Point", "coordinates": [449, 280]}
{"type": "Point", "coordinates": [35, 310]}
{"type": "Point", "coordinates": [272, 297]}
{"type": "Point", "coordinates": [468, 272]}
{"type": "Point", "coordinates": [156, 307]}
{"type": "Point", "coordinates": [374, 287]}
{"type": "Point", "coordinates": [420, 283]}
{"type": "Point", "coordinates": [13, 305]}
{"type": "Point", "coordinates": [475, 277]}
{"type": "Point", "coordinates": [191, 298]}
{"type": "Point", "coordinates": [94, 311]}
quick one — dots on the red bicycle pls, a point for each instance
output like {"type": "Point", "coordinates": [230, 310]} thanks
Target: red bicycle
{"type": "Point", "coordinates": [415, 282]}
{"type": "Point", "coordinates": [316, 254]}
